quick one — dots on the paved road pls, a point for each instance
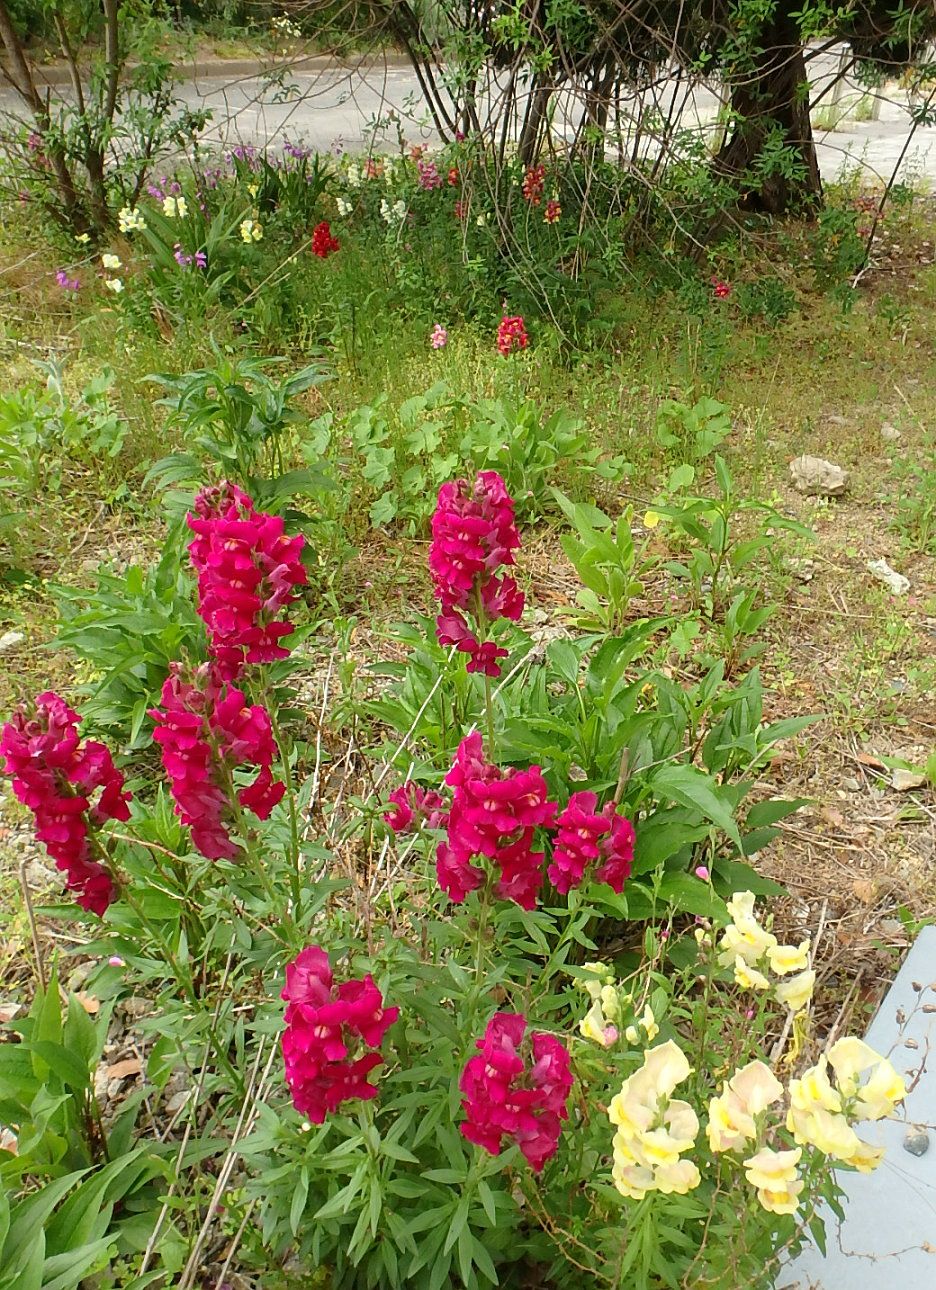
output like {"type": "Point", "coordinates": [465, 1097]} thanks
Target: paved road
{"type": "Point", "coordinates": [334, 108]}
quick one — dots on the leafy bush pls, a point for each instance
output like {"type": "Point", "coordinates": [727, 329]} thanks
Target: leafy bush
{"type": "Point", "coordinates": [40, 431]}
{"type": "Point", "coordinates": [128, 630]}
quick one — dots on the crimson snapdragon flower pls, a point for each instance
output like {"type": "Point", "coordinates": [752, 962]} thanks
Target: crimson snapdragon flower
{"type": "Point", "coordinates": [473, 535]}
{"type": "Point", "coordinates": [534, 179]}
{"type": "Point", "coordinates": [516, 1090]}
{"type": "Point", "coordinates": [414, 806]}
{"type": "Point", "coordinates": [206, 731]}
{"type": "Point", "coordinates": [721, 290]}
{"type": "Point", "coordinates": [327, 1031]}
{"type": "Point", "coordinates": [247, 570]}
{"type": "Point", "coordinates": [55, 775]}
{"type": "Point", "coordinates": [511, 334]}
{"type": "Point", "coordinates": [323, 243]}
{"type": "Point", "coordinates": [589, 838]}
{"type": "Point", "coordinates": [494, 814]}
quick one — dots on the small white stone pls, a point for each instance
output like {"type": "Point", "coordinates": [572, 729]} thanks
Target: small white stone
{"type": "Point", "coordinates": [894, 581]}
{"type": "Point", "coordinates": [10, 640]}
{"type": "Point", "coordinates": [818, 478]}
{"type": "Point", "coordinates": [904, 780]}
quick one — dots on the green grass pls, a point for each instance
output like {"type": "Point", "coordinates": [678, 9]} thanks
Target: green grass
{"type": "Point", "coordinates": [823, 380]}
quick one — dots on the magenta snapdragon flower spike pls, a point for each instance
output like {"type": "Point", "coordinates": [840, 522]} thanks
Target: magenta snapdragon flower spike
{"type": "Point", "coordinates": [516, 1090]}
{"type": "Point", "coordinates": [474, 534]}
{"type": "Point", "coordinates": [55, 775]}
{"type": "Point", "coordinates": [601, 842]}
{"type": "Point", "coordinates": [428, 176]}
{"type": "Point", "coordinates": [511, 334]}
{"type": "Point", "coordinates": [206, 731]}
{"type": "Point", "coordinates": [247, 571]}
{"type": "Point", "coordinates": [327, 1033]}
{"type": "Point", "coordinates": [414, 806]}
{"type": "Point", "coordinates": [495, 815]}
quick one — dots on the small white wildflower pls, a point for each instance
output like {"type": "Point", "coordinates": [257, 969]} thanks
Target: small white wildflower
{"type": "Point", "coordinates": [481, 220]}
{"type": "Point", "coordinates": [251, 230]}
{"type": "Point", "coordinates": [111, 261]}
{"type": "Point", "coordinates": [114, 284]}
{"type": "Point", "coordinates": [354, 176]}
{"type": "Point", "coordinates": [344, 207]}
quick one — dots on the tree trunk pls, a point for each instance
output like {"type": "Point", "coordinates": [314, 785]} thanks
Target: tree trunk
{"type": "Point", "coordinates": [21, 78]}
{"type": "Point", "coordinates": [770, 101]}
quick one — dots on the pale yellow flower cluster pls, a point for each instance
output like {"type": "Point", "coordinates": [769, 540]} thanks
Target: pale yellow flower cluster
{"type": "Point", "coordinates": [733, 1123]}
{"type": "Point", "coordinates": [129, 220]}
{"type": "Point", "coordinates": [601, 1024]}
{"type": "Point", "coordinates": [753, 952]}
{"type": "Point", "coordinates": [822, 1114]}
{"type": "Point", "coordinates": [251, 230]}
{"type": "Point", "coordinates": [653, 1129]}
{"type": "Point", "coordinates": [175, 207]}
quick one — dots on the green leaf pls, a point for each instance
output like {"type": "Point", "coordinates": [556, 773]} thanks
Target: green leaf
{"type": "Point", "coordinates": [298, 1202]}
{"type": "Point", "coordinates": [67, 1270]}
{"type": "Point", "coordinates": [686, 894]}
{"type": "Point", "coordinates": [691, 787]}
{"type": "Point", "coordinates": [735, 875]}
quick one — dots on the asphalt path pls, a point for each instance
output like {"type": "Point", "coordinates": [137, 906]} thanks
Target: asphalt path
{"type": "Point", "coordinates": [335, 108]}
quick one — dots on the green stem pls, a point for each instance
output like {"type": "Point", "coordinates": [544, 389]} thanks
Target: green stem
{"type": "Point", "coordinates": [184, 981]}
{"type": "Point", "coordinates": [260, 870]}
{"type": "Point", "coordinates": [295, 876]}
{"type": "Point", "coordinates": [489, 711]}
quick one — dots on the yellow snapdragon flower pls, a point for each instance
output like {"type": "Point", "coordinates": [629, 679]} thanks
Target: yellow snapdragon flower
{"type": "Point", "coordinates": [797, 991]}
{"type": "Point", "coordinates": [748, 977]}
{"type": "Point", "coordinates": [850, 1058]}
{"type": "Point", "coordinates": [653, 1129]}
{"type": "Point", "coordinates": [647, 1024]}
{"type": "Point", "coordinates": [774, 1175]}
{"type": "Point", "coordinates": [788, 958]}
{"type": "Point", "coordinates": [731, 1115]}
{"type": "Point", "coordinates": [595, 1027]}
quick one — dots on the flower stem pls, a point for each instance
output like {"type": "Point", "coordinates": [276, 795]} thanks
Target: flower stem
{"type": "Point", "coordinates": [295, 877]}
{"type": "Point", "coordinates": [489, 711]}
{"type": "Point", "coordinates": [184, 981]}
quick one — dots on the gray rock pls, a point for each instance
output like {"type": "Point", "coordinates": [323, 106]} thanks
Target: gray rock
{"type": "Point", "coordinates": [818, 478]}
{"type": "Point", "coordinates": [889, 433]}
{"type": "Point", "coordinates": [904, 780]}
{"type": "Point", "coordinates": [916, 1140]}
{"type": "Point", "coordinates": [10, 640]}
